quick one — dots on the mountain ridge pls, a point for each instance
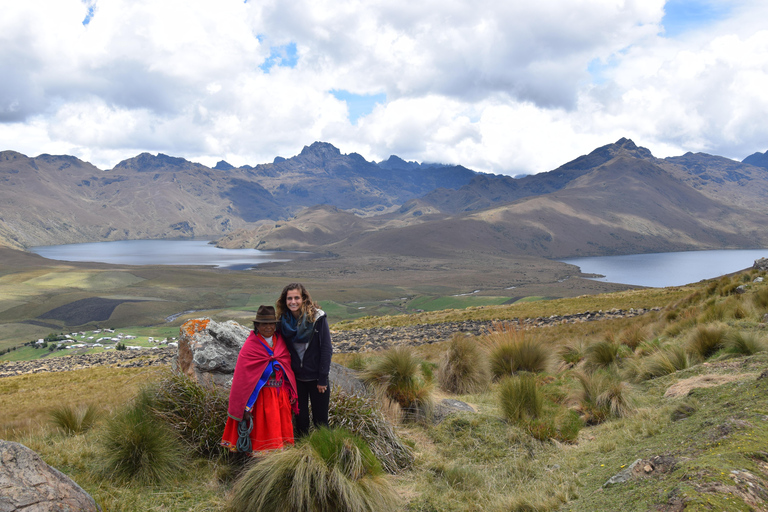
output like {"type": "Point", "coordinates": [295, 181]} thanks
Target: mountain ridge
{"type": "Point", "coordinates": [617, 199]}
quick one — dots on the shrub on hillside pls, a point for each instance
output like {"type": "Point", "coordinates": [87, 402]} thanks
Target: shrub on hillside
{"type": "Point", "coordinates": [71, 420]}
{"type": "Point", "coordinates": [513, 351]}
{"type": "Point", "coordinates": [603, 395]}
{"type": "Point", "coordinates": [602, 354]}
{"type": "Point", "coordinates": [572, 351]}
{"type": "Point", "coordinates": [329, 470]}
{"type": "Point", "coordinates": [705, 340]}
{"type": "Point", "coordinates": [633, 335]}
{"type": "Point", "coordinates": [520, 398]}
{"type": "Point", "coordinates": [667, 360]}
{"type": "Point", "coordinates": [522, 403]}
{"type": "Point", "coordinates": [195, 412]}
{"type": "Point", "coordinates": [744, 343]}
{"type": "Point", "coordinates": [464, 367]}
{"type": "Point", "coordinates": [760, 298]}
{"type": "Point", "coordinates": [362, 417]}
{"type": "Point", "coordinates": [397, 373]}
{"type": "Point", "coordinates": [138, 446]}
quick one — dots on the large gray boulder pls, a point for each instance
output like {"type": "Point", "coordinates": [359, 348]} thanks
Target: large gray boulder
{"type": "Point", "coordinates": [208, 352]}
{"type": "Point", "coordinates": [28, 484]}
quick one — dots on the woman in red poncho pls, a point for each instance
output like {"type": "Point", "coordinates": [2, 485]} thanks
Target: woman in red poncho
{"type": "Point", "coordinates": [263, 392]}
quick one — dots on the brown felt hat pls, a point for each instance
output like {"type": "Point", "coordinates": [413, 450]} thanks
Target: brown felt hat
{"type": "Point", "coordinates": [265, 315]}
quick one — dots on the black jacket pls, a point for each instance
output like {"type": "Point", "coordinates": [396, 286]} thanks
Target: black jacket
{"type": "Point", "coordinates": [317, 358]}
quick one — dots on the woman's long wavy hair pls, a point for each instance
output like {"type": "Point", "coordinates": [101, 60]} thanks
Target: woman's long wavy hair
{"type": "Point", "coordinates": [308, 307]}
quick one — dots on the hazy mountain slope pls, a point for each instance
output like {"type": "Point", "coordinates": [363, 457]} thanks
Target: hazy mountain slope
{"type": "Point", "coordinates": [321, 174]}
{"type": "Point", "coordinates": [757, 159]}
{"type": "Point", "coordinates": [726, 180]}
{"type": "Point", "coordinates": [313, 227]}
{"type": "Point", "coordinates": [624, 206]}
{"type": "Point", "coordinates": [486, 190]}
{"type": "Point", "coordinates": [60, 199]}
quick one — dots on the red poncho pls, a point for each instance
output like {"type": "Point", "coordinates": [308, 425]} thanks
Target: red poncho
{"type": "Point", "coordinates": [252, 361]}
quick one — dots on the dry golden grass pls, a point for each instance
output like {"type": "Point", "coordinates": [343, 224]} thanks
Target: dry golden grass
{"type": "Point", "coordinates": [26, 399]}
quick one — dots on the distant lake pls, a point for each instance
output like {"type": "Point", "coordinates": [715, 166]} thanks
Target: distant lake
{"type": "Point", "coordinates": [659, 270]}
{"type": "Point", "coordinates": [160, 252]}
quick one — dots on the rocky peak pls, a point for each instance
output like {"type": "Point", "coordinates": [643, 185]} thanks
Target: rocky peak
{"type": "Point", "coordinates": [320, 152]}
{"type": "Point", "coordinates": [223, 165]}
{"type": "Point", "coordinates": [757, 159]}
{"type": "Point", "coordinates": [146, 162]}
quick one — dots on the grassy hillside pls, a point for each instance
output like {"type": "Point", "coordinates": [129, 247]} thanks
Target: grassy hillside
{"type": "Point", "coordinates": [685, 397]}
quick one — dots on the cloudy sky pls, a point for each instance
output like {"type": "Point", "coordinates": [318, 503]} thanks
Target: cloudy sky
{"type": "Point", "coordinates": [509, 87]}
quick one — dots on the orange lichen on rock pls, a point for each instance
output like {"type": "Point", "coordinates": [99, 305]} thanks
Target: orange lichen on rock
{"type": "Point", "coordinates": [190, 327]}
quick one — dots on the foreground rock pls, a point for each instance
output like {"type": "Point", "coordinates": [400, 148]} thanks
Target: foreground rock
{"type": "Point", "coordinates": [29, 484]}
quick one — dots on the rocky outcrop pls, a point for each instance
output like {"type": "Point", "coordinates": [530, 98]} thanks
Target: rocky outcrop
{"type": "Point", "coordinates": [27, 483]}
{"type": "Point", "coordinates": [362, 340]}
{"type": "Point", "coordinates": [115, 358]}
{"type": "Point", "coordinates": [208, 353]}
{"type": "Point", "coordinates": [208, 350]}
{"type": "Point", "coordinates": [761, 264]}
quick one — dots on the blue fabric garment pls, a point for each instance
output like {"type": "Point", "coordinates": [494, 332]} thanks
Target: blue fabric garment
{"type": "Point", "coordinates": [268, 372]}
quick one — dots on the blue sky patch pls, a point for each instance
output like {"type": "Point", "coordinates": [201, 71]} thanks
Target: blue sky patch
{"type": "Point", "coordinates": [359, 105]}
{"type": "Point", "coordinates": [283, 56]}
{"type": "Point", "coordinates": [89, 13]}
{"type": "Point", "coordinates": [683, 15]}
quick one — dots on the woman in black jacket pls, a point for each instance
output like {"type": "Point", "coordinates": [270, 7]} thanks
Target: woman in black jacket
{"type": "Point", "coordinates": [304, 327]}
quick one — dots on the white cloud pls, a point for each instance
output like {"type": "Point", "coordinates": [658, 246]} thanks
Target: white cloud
{"type": "Point", "coordinates": [497, 86]}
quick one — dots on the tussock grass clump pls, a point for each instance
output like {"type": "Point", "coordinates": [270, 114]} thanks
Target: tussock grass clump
{"type": "Point", "coordinates": [686, 320]}
{"type": "Point", "coordinates": [667, 360]}
{"type": "Point", "coordinates": [744, 343]}
{"type": "Point", "coordinates": [513, 351]}
{"type": "Point", "coordinates": [520, 399]}
{"type": "Point", "coordinates": [602, 354]}
{"type": "Point", "coordinates": [197, 413]}
{"type": "Point", "coordinates": [356, 362]}
{"type": "Point", "coordinates": [138, 446]}
{"type": "Point", "coordinates": [329, 470]}
{"type": "Point", "coordinates": [74, 420]}
{"type": "Point", "coordinates": [633, 335]}
{"type": "Point", "coordinates": [573, 351]}
{"type": "Point", "coordinates": [398, 373]}
{"type": "Point", "coordinates": [706, 340]}
{"type": "Point", "coordinates": [602, 395]}
{"type": "Point", "coordinates": [362, 417]}
{"type": "Point", "coordinates": [464, 367]}
{"type": "Point", "coordinates": [760, 298]}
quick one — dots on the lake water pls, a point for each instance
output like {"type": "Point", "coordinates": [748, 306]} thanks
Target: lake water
{"type": "Point", "coordinates": [669, 268]}
{"type": "Point", "coordinates": [160, 252]}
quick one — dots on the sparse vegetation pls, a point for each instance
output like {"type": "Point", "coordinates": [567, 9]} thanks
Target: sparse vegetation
{"type": "Point", "coordinates": [137, 446]}
{"type": "Point", "coordinates": [499, 458]}
{"type": "Point", "coordinates": [464, 366]}
{"type": "Point", "coordinates": [362, 417]}
{"type": "Point", "coordinates": [398, 373]}
{"type": "Point", "coordinates": [513, 351]}
{"type": "Point", "coordinates": [74, 420]}
{"type": "Point", "coordinates": [330, 470]}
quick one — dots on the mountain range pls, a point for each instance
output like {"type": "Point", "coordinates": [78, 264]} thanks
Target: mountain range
{"type": "Point", "coordinates": [618, 199]}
